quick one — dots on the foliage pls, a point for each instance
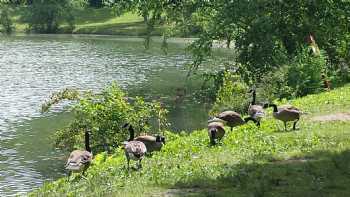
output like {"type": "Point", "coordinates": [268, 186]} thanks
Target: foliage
{"type": "Point", "coordinates": [275, 86]}
{"type": "Point", "coordinates": [96, 3]}
{"type": "Point", "coordinates": [5, 20]}
{"type": "Point", "coordinates": [104, 115]}
{"type": "Point", "coordinates": [249, 162]}
{"type": "Point", "coordinates": [232, 95]}
{"type": "Point", "coordinates": [65, 94]}
{"type": "Point", "coordinates": [301, 76]}
{"type": "Point", "coordinates": [267, 32]}
{"type": "Point", "coordinates": [177, 16]}
{"type": "Point", "coordinates": [304, 75]}
{"type": "Point", "coordinates": [45, 16]}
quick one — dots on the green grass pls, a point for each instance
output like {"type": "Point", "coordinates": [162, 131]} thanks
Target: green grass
{"type": "Point", "coordinates": [95, 21]}
{"type": "Point", "coordinates": [312, 161]}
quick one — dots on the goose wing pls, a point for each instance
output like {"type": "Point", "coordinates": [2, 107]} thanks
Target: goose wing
{"type": "Point", "coordinates": [229, 116]}
{"type": "Point", "coordinates": [256, 111]}
{"type": "Point", "coordinates": [77, 159]}
{"type": "Point", "coordinates": [215, 125]}
{"type": "Point", "coordinates": [218, 126]}
{"type": "Point", "coordinates": [144, 138]}
{"type": "Point", "coordinates": [150, 142]}
{"type": "Point", "coordinates": [289, 107]}
{"type": "Point", "coordinates": [288, 114]}
{"type": "Point", "coordinates": [135, 149]}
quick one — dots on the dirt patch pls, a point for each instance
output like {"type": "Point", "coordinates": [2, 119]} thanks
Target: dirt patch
{"type": "Point", "coordinates": [185, 192]}
{"type": "Point", "coordinates": [332, 117]}
{"type": "Point", "coordinates": [291, 161]}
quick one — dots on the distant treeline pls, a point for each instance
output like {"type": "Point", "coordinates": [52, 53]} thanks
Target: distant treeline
{"type": "Point", "coordinates": [92, 3]}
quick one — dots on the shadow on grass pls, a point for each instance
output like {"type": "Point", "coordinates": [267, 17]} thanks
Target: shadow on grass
{"type": "Point", "coordinates": [316, 174]}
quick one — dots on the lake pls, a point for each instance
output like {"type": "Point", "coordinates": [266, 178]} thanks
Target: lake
{"type": "Point", "coordinates": [34, 66]}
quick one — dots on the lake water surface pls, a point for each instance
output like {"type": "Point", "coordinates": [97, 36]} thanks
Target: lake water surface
{"type": "Point", "coordinates": [33, 67]}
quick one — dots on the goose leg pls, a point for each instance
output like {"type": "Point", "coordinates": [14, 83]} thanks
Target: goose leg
{"type": "Point", "coordinates": [285, 126]}
{"type": "Point", "coordinates": [258, 123]}
{"type": "Point", "coordinates": [128, 160]}
{"type": "Point", "coordinates": [140, 165]}
{"type": "Point", "coordinates": [212, 139]}
{"type": "Point", "coordinates": [231, 128]}
{"type": "Point", "coordinates": [295, 124]}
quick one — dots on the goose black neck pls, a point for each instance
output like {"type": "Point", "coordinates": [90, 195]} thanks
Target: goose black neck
{"type": "Point", "coordinates": [87, 141]}
{"type": "Point", "coordinates": [158, 138]}
{"type": "Point", "coordinates": [131, 133]}
{"type": "Point", "coordinates": [274, 107]}
{"type": "Point", "coordinates": [254, 97]}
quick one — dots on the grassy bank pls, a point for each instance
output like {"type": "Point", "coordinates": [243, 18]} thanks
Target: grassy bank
{"type": "Point", "coordinates": [95, 21]}
{"type": "Point", "coordinates": [311, 161]}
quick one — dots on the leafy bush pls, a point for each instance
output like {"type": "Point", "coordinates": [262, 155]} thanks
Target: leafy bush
{"type": "Point", "coordinates": [275, 86]}
{"type": "Point", "coordinates": [301, 76]}
{"type": "Point", "coordinates": [305, 70]}
{"type": "Point", "coordinates": [231, 95]}
{"type": "Point", "coordinates": [5, 20]}
{"type": "Point", "coordinates": [104, 115]}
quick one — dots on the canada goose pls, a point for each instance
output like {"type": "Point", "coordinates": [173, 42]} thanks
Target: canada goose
{"type": "Point", "coordinates": [153, 143]}
{"type": "Point", "coordinates": [134, 150]}
{"type": "Point", "coordinates": [255, 111]}
{"type": "Point", "coordinates": [216, 130]}
{"type": "Point", "coordinates": [80, 160]}
{"type": "Point", "coordinates": [286, 114]}
{"type": "Point", "coordinates": [234, 119]}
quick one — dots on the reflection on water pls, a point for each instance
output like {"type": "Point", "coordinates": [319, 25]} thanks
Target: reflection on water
{"type": "Point", "coordinates": [32, 67]}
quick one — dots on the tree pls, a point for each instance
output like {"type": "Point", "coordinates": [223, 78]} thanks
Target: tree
{"type": "Point", "coordinates": [104, 115]}
{"type": "Point", "coordinates": [45, 16]}
{"type": "Point", "coordinates": [5, 20]}
{"type": "Point", "coordinates": [268, 33]}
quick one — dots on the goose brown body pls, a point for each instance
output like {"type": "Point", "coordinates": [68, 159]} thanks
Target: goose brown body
{"type": "Point", "coordinates": [256, 112]}
{"type": "Point", "coordinates": [80, 160]}
{"type": "Point", "coordinates": [232, 118]}
{"type": "Point", "coordinates": [216, 131]}
{"type": "Point", "coordinates": [152, 143]}
{"type": "Point", "coordinates": [286, 114]}
{"type": "Point", "coordinates": [134, 150]}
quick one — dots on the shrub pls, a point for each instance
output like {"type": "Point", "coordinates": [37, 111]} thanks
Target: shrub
{"type": "Point", "coordinates": [300, 77]}
{"type": "Point", "coordinates": [104, 115]}
{"type": "Point", "coordinates": [232, 95]}
{"type": "Point", "coordinates": [304, 74]}
{"type": "Point", "coordinates": [275, 86]}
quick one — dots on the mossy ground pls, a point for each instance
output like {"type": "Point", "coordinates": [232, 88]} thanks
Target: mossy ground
{"type": "Point", "coordinates": [311, 161]}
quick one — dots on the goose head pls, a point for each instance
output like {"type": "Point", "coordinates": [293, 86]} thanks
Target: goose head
{"type": "Point", "coordinates": [160, 139]}
{"type": "Point", "coordinates": [131, 131]}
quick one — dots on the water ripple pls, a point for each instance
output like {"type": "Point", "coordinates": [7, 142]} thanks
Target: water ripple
{"type": "Point", "coordinates": [34, 67]}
